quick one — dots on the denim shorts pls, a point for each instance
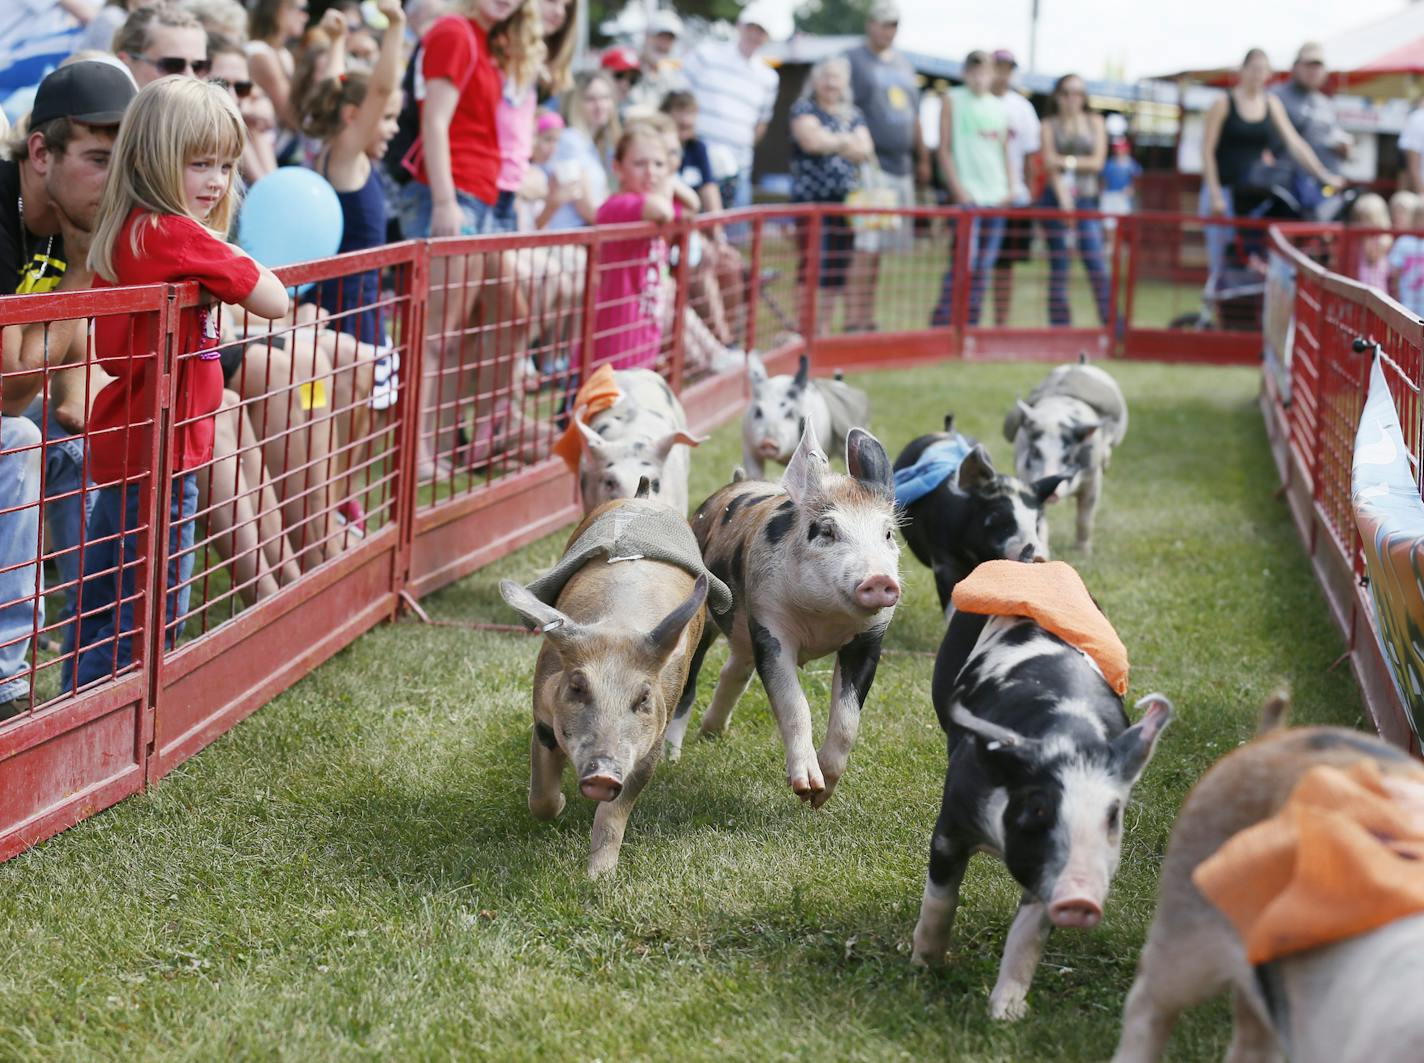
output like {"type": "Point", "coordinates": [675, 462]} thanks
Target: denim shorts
{"type": "Point", "coordinates": [415, 208]}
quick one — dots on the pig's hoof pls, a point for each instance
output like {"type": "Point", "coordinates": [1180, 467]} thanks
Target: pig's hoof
{"type": "Point", "coordinates": [672, 753]}
{"type": "Point", "coordinates": [817, 800]}
{"type": "Point", "coordinates": [806, 779]}
{"type": "Point", "coordinates": [600, 865]}
{"type": "Point", "coordinates": [1009, 1006]}
{"type": "Point", "coordinates": [547, 809]}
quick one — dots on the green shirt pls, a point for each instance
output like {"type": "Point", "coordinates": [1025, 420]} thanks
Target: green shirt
{"type": "Point", "coordinates": [979, 132]}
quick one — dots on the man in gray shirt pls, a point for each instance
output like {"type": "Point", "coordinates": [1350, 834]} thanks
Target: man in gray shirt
{"type": "Point", "coordinates": [887, 91]}
{"type": "Point", "coordinates": [1313, 115]}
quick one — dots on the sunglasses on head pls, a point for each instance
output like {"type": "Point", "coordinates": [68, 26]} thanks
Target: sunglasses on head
{"type": "Point", "coordinates": [240, 89]}
{"type": "Point", "coordinates": [1312, 62]}
{"type": "Point", "coordinates": [173, 64]}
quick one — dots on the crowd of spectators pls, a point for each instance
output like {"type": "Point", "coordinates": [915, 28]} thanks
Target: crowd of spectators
{"type": "Point", "coordinates": [438, 118]}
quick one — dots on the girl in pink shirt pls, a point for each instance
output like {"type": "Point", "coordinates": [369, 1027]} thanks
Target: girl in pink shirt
{"type": "Point", "coordinates": [627, 329]}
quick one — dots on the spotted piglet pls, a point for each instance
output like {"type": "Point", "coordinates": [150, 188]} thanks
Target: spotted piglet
{"type": "Point", "coordinates": [1041, 764]}
{"type": "Point", "coordinates": [813, 564]}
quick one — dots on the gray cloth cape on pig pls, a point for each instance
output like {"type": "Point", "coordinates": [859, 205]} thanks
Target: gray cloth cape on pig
{"type": "Point", "coordinates": [638, 529]}
{"type": "Point", "coordinates": [849, 408]}
{"type": "Point", "coordinates": [1084, 382]}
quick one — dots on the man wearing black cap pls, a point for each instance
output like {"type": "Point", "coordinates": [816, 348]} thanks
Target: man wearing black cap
{"type": "Point", "coordinates": [49, 199]}
{"type": "Point", "coordinates": [57, 176]}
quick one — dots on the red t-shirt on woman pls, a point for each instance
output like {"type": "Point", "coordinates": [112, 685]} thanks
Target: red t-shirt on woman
{"type": "Point", "coordinates": [457, 49]}
{"type": "Point", "coordinates": [172, 249]}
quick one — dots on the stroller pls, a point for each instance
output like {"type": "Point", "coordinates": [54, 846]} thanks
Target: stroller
{"type": "Point", "coordinates": [1234, 295]}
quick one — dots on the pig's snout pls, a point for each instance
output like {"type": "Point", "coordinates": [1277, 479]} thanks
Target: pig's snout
{"type": "Point", "coordinates": [769, 448]}
{"type": "Point", "coordinates": [602, 781]}
{"type": "Point", "coordinates": [1076, 911]}
{"type": "Point", "coordinates": [877, 592]}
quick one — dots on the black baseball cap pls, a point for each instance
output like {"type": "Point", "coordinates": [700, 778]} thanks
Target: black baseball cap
{"type": "Point", "coordinates": [93, 92]}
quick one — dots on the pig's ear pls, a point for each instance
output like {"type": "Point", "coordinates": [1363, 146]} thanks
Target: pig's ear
{"type": "Point", "coordinates": [1020, 414]}
{"type": "Point", "coordinates": [1045, 487]}
{"type": "Point", "coordinates": [803, 373]}
{"type": "Point", "coordinates": [802, 478]}
{"type": "Point", "coordinates": [539, 614]}
{"type": "Point", "coordinates": [1083, 433]}
{"type": "Point", "coordinates": [591, 439]}
{"type": "Point", "coordinates": [976, 470]}
{"type": "Point", "coordinates": [949, 422]}
{"type": "Point", "coordinates": [645, 488]}
{"type": "Point", "coordinates": [1003, 752]}
{"type": "Point", "coordinates": [867, 461]}
{"type": "Point", "coordinates": [663, 447]}
{"type": "Point", "coordinates": [663, 638]}
{"type": "Point", "coordinates": [1134, 747]}
{"type": "Point", "coordinates": [756, 371]}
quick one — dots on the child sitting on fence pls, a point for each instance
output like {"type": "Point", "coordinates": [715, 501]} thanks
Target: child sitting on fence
{"type": "Point", "coordinates": [1371, 265]}
{"type": "Point", "coordinates": [168, 201]}
{"type": "Point", "coordinates": [1406, 263]}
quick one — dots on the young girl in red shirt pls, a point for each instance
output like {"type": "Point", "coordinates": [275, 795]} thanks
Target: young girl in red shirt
{"type": "Point", "coordinates": [169, 198]}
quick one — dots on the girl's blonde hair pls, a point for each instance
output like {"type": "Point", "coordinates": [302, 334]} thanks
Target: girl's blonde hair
{"type": "Point", "coordinates": [643, 129]}
{"type": "Point", "coordinates": [573, 112]}
{"type": "Point", "coordinates": [171, 122]}
{"type": "Point", "coordinates": [1371, 211]}
{"type": "Point", "coordinates": [517, 45]}
{"type": "Point", "coordinates": [557, 76]}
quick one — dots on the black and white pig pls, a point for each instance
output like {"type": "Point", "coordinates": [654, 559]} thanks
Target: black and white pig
{"type": "Point", "coordinates": [1041, 764]}
{"type": "Point", "coordinates": [1069, 426]}
{"type": "Point", "coordinates": [780, 405]}
{"type": "Point", "coordinates": [813, 564]}
{"type": "Point", "coordinates": [643, 434]}
{"type": "Point", "coordinates": [977, 514]}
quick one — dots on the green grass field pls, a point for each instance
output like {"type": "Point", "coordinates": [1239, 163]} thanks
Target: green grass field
{"type": "Point", "coordinates": [353, 874]}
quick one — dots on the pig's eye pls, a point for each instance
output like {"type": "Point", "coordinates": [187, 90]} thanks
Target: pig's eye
{"type": "Point", "coordinates": [578, 685]}
{"type": "Point", "coordinates": [756, 410]}
{"type": "Point", "coordinates": [1115, 816]}
{"type": "Point", "coordinates": [823, 530]}
{"type": "Point", "coordinates": [611, 484]}
{"type": "Point", "coordinates": [1037, 812]}
{"type": "Point", "coordinates": [889, 535]}
{"type": "Point", "coordinates": [644, 701]}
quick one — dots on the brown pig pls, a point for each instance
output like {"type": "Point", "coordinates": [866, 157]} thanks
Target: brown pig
{"type": "Point", "coordinates": [617, 645]}
{"type": "Point", "coordinates": [1316, 1005]}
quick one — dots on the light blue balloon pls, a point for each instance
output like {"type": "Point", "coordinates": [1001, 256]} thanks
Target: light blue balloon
{"type": "Point", "coordinates": [291, 215]}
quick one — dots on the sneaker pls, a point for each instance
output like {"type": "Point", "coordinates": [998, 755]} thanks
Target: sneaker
{"type": "Point", "coordinates": [733, 359]}
{"type": "Point", "coordinates": [12, 708]}
{"type": "Point", "coordinates": [387, 382]}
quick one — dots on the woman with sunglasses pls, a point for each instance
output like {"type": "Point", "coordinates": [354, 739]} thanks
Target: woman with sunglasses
{"type": "Point", "coordinates": [273, 24]}
{"type": "Point", "coordinates": [1075, 147]}
{"type": "Point", "coordinates": [230, 70]}
{"type": "Point", "coordinates": [160, 40]}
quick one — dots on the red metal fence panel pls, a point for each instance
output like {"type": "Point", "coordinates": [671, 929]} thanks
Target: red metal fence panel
{"type": "Point", "coordinates": [394, 433]}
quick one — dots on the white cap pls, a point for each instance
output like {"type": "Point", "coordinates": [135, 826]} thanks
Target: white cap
{"type": "Point", "coordinates": [665, 21]}
{"type": "Point", "coordinates": [770, 16]}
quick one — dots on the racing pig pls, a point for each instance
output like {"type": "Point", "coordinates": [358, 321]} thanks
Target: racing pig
{"type": "Point", "coordinates": [643, 434]}
{"type": "Point", "coordinates": [780, 405]}
{"type": "Point", "coordinates": [1041, 764]}
{"type": "Point", "coordinates": [813, 564]}
{"type": "Point", "coordinates": [618, 641]}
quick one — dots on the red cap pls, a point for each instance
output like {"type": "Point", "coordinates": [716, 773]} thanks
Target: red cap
{"type": "Point", "coordinates": [619, 58]}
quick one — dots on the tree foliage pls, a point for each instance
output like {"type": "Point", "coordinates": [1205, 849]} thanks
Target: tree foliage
{"type": "Point", "coordinates": [832, 16]}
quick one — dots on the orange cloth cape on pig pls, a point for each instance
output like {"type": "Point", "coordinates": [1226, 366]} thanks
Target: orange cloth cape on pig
{"type": "Point", "coordinates": [1053, 595]}
{"type": "Point", "coordinates": [598, 393]}
{"type": "Point", "coordinates": [1343, 856]}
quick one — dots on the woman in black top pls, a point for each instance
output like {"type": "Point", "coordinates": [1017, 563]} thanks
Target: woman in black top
{"type": "Point", "coordinates": [1236, 140]}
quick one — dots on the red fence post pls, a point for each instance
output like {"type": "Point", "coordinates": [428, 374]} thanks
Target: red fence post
{"type": "Point", "coordinates": [811, 282]}
{"type": "Point", "coordinates": [1114, 284]}
{"type": "Point", "coordinates": [590, 291]}
{"type": "Point", "coordinates": [413, 325]}
{"type": "Point", "coordinates": [683, 243]}
{"type": "Point", "coordinates": [753, 293]}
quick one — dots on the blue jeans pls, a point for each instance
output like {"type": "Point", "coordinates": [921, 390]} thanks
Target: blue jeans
{"type": "Point", "coordinates": [503, 218]}
{"type": "Point", "coordinates": [1090, 249]}
{"type": "Point", "coordinates": [987, 234]}
{"type": "Point", "coordinates": [113, 564]}
{"type": "Point", "coordinates": [415, 207]}
{"type": "Point", "coordinates": [1218, 237]}
{"type": "Point", "coordinates": [19, 548]}
{"type": "Point", "coordinates": [67, 503]}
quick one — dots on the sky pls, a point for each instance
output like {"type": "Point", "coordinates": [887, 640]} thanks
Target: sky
{"type": "Point", "coordinates": [1131, 37]}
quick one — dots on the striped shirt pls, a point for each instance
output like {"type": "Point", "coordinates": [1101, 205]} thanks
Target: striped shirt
{"type": "Point", "coordinates": [734, 95]}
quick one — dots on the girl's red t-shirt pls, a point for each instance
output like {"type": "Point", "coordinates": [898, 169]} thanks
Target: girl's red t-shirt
{"type": "Point", "coordinates": [457, 50]}
{"type": "Point", "coordinates": [171, 249]}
